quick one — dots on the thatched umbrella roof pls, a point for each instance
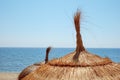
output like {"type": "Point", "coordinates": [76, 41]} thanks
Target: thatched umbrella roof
{"type": "Point", "coordinates": [28, 70]}
{"type": "Point", "coordinates": [33, 67]}
{"type": "Point", "coordinates": [77, 65]}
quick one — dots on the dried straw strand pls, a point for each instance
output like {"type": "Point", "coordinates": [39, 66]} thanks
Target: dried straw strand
{"type": "Point", "coordinates": [79, 47]}
{"type": "Point", "coordinates": [47, 52]}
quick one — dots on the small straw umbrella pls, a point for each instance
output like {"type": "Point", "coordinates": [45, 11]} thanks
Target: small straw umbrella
{"type": "Point", "coordinates": [33, 67]}
{"type": "Point", "coordinates": [77, 65]}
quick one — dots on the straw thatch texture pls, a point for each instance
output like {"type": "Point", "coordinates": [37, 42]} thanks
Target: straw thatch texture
{"type": "Point", "coordinates": [29, 69]}
{"type": "Point", "coordinates": [104, 71]}
{"type": "Point", "coordinates": [84, 59]}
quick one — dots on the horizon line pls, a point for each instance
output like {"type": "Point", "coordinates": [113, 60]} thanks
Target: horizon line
{"type": "Point", "coordinates": [51, 46]}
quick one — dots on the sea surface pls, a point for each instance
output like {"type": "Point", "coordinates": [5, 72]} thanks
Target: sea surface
{"type": "Point", "coordinates": [16, 59]}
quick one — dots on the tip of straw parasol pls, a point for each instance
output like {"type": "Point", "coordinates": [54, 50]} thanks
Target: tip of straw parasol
{"type": "Point", "coordinates": [47, 53]}
{"type": "Point", "coordinates": [79, 47]}
{"type": "Point", "coordinates": [80, 57]}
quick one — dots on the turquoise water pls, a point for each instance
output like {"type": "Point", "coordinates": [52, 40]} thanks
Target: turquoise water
{"type": "Point", "coordinates": [16, 59]}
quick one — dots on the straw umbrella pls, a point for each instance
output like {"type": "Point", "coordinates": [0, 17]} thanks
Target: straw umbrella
{"type": "Point", "coordinates": [77, 65]}
{"type": "Point", "coordinates": [33, 67]}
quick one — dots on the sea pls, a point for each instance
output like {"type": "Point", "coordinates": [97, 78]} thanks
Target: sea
{"type": "Point", "coordinates": [16, 59]}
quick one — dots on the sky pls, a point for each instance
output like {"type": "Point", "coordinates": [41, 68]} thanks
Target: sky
{"type": "Point", "coordinates": [43, 23]}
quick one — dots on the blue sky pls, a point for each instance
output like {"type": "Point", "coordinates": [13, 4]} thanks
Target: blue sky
{"type": "Point", "coordinates": [42, 23]}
